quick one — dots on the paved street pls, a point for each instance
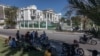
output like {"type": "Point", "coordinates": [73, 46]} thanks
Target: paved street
{"type": "Point", "coordinates": [65, 37]}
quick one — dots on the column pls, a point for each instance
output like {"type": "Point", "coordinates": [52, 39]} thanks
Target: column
{"type": "Point", "coordinates": [52, 17]}
{"type": "Point", "coordinates": [49, 17]}
{"type": "Point", "coordinates": [82, 23]}
{"type": "Point", "coordinates": [19, 24]}
{"type": "Point", "coordinates": [28, 23]}
{"type": "Point", "coordinates": [57, 18]}
{"type": "Point", "coordinates": [71, 23]}
{"type": "Point", "coordinates": [4, 11]}
{"type": "Point", "coordinates": [39, 22]}
{"type": "Point", "coordinates": [46, 21]}
{"type": "Point", "coordinates": [32, 24]}
{"type": "Point", "coordinates": [24, 23]}
{"type": "Point", "coordinates": [93, 25]}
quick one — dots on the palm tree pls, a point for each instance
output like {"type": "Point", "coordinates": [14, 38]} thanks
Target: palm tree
{"type": "Point", "coordinates": [89, 8]}
{"type": "Point", "coordinates": [76, 20]}
{"type": "Point", "coordinates": [11, 15]}
{"type": "Point", "coordinates": [62, 19]}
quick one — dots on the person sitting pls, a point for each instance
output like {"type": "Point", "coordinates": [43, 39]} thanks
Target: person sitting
{"type": "Point", "coordinates": [27, 44]}
{"type": "Point", "coordinates": [36, 34]}
{"type": "Point", "coordinates": [22, 38]}
{"type": "Point", "coordinates": [44, 34]}
{"type": "Point", "coordinates": [21, 42]}
{"type": "Point", "coordinates": [12, 43]}
{"type": "Point", "coordinates": [94, 53]}
{"type": "Point", "coordinates": [85, 38]}
{"type": "Point", "coordinates": [27, 37]}
{"type": "Point", "coordinates": [7, 40]}
{"type": "Point", "coordinates": [75, 45]}
{"type": "Point", "coordinates": [48, 52]}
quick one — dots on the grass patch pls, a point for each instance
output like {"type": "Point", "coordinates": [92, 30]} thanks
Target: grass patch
{"type": "Point", "coordinates": [6, 51]}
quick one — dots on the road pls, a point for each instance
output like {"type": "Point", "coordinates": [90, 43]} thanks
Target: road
{"type": "Point", "coordinates": [65, 37]}
{"type": "Point", "coordinates": [58, 36]}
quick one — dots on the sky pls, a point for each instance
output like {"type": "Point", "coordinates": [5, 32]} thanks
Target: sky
{"type": "Point", "coordinates": [57, 5]}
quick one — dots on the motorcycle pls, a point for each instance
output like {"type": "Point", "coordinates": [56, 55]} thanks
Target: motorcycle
{"type": "Point", "coordinates": [72, 51]}
{"type": "Point", "coordinates": [88, 40]}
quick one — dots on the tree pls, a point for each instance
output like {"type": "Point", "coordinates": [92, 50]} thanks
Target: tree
{"type": "Point", "coordinates": [89, 8]}
{"type": "Point", "coordinates": [62, 19]}
{"type": "Point", "coordinates": [68, 22]}
{"type": "Point", "coordinates": [11, 15]}
{"type": "Point", "coordinates": [65, 20]}
{"type": "Point", "coordinates": [76, 20]}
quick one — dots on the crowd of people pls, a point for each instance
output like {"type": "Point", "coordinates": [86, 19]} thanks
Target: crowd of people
{"type": "Point", "coordinates": [31, 40]}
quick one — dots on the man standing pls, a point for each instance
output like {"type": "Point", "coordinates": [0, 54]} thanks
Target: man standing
{"type": "Point", "coordinates": [18, 35]}
{"type": "Point", "coordinates": [32, 35]}
{"type": "Point", "coordinates": [36, 34]}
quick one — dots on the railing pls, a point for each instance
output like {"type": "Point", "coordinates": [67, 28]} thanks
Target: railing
{"type": "Point", "coordinates": [33, 14]}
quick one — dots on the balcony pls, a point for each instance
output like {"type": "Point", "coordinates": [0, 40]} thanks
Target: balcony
{"type": "Point", "coordinates": [33, 17]}
{"type": "Point", "coordinates": [33, 14]}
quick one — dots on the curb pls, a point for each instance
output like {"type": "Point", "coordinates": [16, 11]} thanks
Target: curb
{"type": "Point", "coordinates": [5, 36]}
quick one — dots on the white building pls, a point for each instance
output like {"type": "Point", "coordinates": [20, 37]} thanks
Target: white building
{"type": "Point", "coordinates": [32, 18]}
{"type": "Point", "coordinates": [2, 15]}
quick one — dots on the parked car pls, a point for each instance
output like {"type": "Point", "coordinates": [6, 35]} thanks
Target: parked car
{"type": "Point", "coordinates": [8, 27]}
{"type": "Point", "coordinates": [5, 27]}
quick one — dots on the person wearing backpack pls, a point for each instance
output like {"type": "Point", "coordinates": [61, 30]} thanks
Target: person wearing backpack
{"type": "Point", "coordinates": [12, 43]}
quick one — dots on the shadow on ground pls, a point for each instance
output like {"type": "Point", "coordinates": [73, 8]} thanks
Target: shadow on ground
{"type": "Point", "coordinates": [92, 51]}
{"type": "Point", "coordinates": [32, 53]}
{"type": "Point", "coordinates": [13, 52]}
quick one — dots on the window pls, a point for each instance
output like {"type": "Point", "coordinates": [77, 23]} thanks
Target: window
{"type": "Point", "coordinates": [47, 15]}
{"type": "Point", "coordinates": [34, 11]}
{"type": "Point", "coordinates": [33, 17]}
{"type": "Point", "coordinates": [22, 16]}
{"type": "Point", "coordinates": [21, 10]}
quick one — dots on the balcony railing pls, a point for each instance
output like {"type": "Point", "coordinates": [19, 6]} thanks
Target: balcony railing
{"type": "Point", "coordinates": [33, 14]}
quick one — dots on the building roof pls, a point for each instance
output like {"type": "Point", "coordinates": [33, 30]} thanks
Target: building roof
{"type": "Point", "coordinates": [30, 7]}
{"type": "Point", "coordinates": [50, 10]}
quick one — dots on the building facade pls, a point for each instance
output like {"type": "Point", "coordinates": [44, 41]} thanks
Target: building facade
{"type": "Point", "coordinates": [32, 18]}
{"type": "Point", "coordinates": [2, 15]}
